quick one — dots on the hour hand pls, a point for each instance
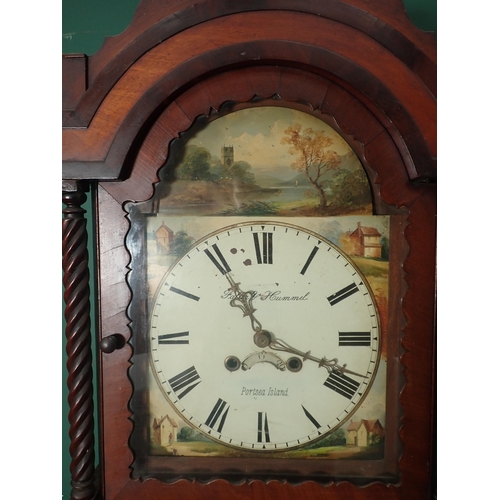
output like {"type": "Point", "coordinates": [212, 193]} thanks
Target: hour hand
{"type": "Point", "coordinates": [243, 300]}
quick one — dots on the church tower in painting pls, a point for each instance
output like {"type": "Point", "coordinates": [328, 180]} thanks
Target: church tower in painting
{"type": "Point", "coordinates": [227, 156]}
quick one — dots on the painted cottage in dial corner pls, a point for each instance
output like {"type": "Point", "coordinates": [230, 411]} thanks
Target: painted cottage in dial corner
{"type": "Point", "coordinates": [363, 432]}
{"type": "Point", "coordinates": [366, 242]}
{"type": "Point", "coordinates": [165, 430]}
{"type": "Point", "coordinates": [164, 237]}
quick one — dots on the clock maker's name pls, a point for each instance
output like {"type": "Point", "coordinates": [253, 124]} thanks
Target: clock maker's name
{"type": "Point", "coordinates": [276, 296]}
{"type": "Point", "coordinates": [270, 391]}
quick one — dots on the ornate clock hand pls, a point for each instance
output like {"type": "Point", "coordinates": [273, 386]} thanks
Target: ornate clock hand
{"type": "Point", "coordinates": [263, 338]}
{"type": "Point", "coordinates": [330, 364]}
{"type": "Point", "coordinates": [243, 300]}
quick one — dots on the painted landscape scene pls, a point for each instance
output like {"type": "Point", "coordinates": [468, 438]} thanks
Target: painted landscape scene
{"type": "Point", "coordinates": [359, 440]}
{"type": "Point", "coordinates": [264, 161]}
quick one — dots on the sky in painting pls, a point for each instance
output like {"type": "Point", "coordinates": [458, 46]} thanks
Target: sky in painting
{"type": "Point", "coordinates": [255, 133]}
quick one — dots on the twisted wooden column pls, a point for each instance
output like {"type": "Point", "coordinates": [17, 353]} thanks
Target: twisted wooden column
{"type": "Point", "coordinates": [78, 347]}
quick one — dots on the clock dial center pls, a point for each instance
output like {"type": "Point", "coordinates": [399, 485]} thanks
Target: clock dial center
{"type": "Point", "coordinates": [262, 338]}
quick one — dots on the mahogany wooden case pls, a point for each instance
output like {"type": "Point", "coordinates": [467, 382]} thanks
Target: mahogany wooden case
{"type": "Point", "coordinates": [359, 66]}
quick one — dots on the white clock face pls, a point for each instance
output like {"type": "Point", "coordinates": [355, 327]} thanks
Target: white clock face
{"type": "Point", "coordinates": [264, 336]}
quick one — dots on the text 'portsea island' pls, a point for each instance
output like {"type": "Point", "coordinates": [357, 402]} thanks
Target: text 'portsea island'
{"type": "Point", "coordinates": [271, 391]}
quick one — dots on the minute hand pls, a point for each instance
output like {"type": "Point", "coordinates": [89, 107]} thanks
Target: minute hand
{"type": "Point", "coordinates": [330, 364]}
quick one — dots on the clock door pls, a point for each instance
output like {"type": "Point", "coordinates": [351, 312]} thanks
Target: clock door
{"type": "Point", "coordinates": [261, 286]}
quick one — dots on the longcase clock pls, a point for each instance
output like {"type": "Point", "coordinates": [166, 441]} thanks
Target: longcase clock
{"type": "Point", "coordinates": [263, 186]}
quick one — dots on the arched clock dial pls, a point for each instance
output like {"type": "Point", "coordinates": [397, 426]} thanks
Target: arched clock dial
{"type": "Point", "coordinates": [264, 336]}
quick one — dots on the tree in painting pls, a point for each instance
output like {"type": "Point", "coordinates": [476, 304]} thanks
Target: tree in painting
{"type": "Point", "coordinates": [181, 243]}
{"type": "Point", "coordinates": [315, 158]}
{"type": "Point", "coordinates": [350, 190]}
{"type": "Point", "coordinates": [196, 166]}
{"type": "Point", "coordinates": [239, 172]}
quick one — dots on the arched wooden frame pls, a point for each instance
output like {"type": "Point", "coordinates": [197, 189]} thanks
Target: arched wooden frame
{"type": "Point", "coordinates": [358, 70]}
{"type": "Point", "coordinates": [319, 96]}
{"type": "Point", "coordinates": [380, 78]}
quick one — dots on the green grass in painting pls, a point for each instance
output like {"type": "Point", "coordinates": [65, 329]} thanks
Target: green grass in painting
{"type": "Point", "coordinates": [253, 208]}
{"type": "Point", "coordinates": [260, 208]}
{"type": "Point", "coordinates": [203, 448]}
{"type": "Point", "coordinates": [372, 267]}
{"type": "Point", "coordinates": [372, 452]}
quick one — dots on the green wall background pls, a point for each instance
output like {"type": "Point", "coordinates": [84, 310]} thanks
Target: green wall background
{"type": "Point", "coordinates": [85, 25]}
